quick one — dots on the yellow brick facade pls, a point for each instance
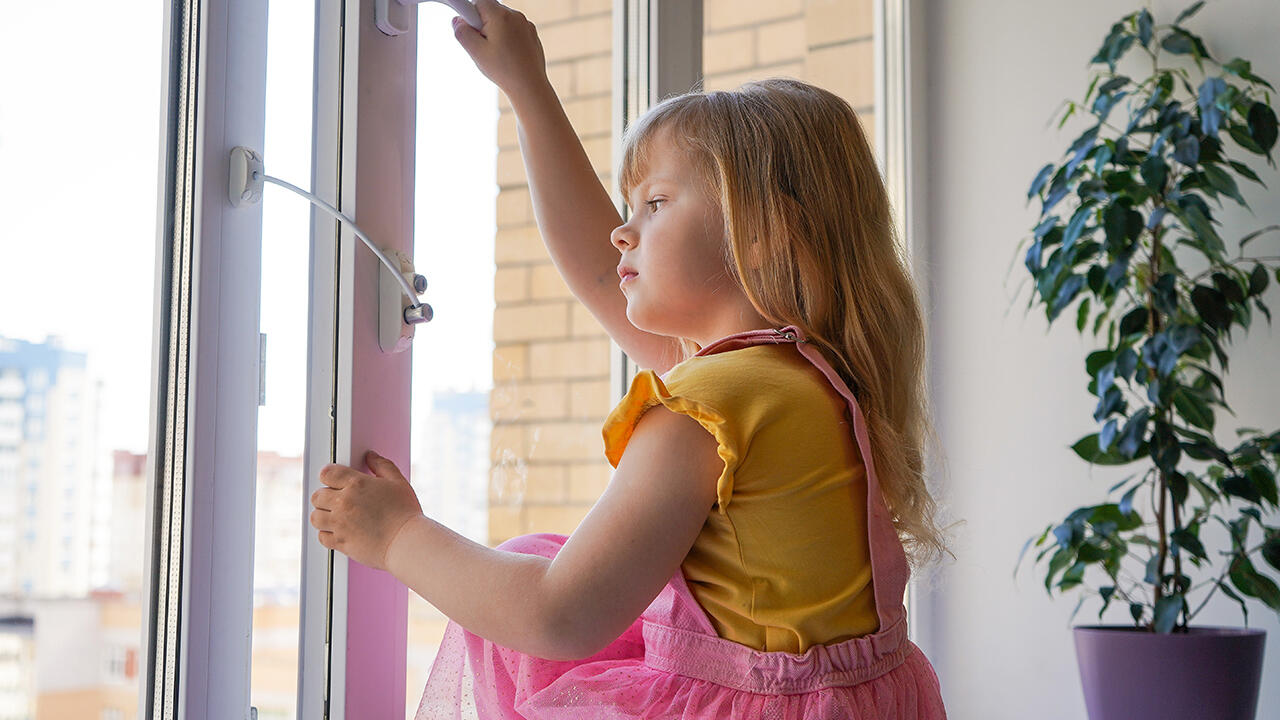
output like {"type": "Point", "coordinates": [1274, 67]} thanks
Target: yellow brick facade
{"type": "Point", "coordinates": [551, 358]}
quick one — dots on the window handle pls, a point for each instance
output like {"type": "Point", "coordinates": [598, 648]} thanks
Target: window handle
{"type": "Point", "coordinates": [382, 14]}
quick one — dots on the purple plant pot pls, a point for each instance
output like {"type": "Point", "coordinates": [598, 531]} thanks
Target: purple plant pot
{"type": "Point", "coordinates": [1207, 673]}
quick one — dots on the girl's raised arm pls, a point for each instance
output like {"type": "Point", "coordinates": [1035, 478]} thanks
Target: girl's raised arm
{"type": "Point", "coordinates": [573, 211]}
{"type": "Point", "coordinates": [576, 216]}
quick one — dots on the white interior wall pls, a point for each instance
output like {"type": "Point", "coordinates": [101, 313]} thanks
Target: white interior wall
{"type": "Point", "coordinates": [1010, 397]}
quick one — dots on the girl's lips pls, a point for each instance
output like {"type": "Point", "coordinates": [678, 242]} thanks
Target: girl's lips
{"type": "Point", "coordinates": [626, 278]}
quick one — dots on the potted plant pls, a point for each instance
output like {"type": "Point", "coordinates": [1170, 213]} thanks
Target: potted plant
{"type": "Point", "coordinates": [1121, 215]}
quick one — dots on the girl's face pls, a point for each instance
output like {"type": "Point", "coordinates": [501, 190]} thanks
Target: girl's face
{"type": "Point", "coordinates": [675, 241]}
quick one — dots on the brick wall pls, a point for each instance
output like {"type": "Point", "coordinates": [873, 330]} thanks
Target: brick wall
{"type": "Point", "coordinates": [825, 42]}
{"type": "Point", "coordinates": [551, 358]}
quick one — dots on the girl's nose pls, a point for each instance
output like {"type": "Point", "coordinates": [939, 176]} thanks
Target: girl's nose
{"type": "Point", "coordinates": [622, 237]}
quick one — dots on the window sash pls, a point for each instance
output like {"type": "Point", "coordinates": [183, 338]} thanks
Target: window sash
{"type": "Point", "coordinates": [204, 395]}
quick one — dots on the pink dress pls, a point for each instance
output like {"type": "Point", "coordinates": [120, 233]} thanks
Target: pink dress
{"type": "Point", "coordinates": [670, 663]}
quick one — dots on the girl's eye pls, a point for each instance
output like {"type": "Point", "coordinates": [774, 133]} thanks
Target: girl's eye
{"type": "Point", "coordinates": [654, 202]}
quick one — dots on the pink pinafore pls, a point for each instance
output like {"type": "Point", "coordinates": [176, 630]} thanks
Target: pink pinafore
{"type": "Point", "coordinates": [670, 663]}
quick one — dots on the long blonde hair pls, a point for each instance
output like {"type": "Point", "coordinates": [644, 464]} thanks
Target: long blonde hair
{"type": "Point", "coordinates": [794, 173]}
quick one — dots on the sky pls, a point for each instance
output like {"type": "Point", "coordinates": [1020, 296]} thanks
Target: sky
{"type": "Point", "coordinates": [79, 142]}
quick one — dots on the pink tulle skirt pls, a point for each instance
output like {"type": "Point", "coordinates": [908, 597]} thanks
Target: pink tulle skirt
{"type": "Point", "coordinates": [671, 664]}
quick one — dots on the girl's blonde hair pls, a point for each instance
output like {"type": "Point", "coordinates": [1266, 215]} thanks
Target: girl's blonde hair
{"type": "Point", "coordinates": [794, 174]}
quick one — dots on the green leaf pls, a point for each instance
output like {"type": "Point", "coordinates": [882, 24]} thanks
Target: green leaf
{"type": "Point", "coordinates": [1223, 183]}
{"type": "Point", "coordinates": [1126, 502]}
{"type": "Point", "coordinates": [1135, 430]}
{"type": "Point", "coordinates": [1135, 610]}
{"type": "Point", "coordinates": [1262, 126]}
{"type": "Point", "coordinates": [1264, 481]}
{"type": "Point", "coordinates": [1246, 172]}
{"type": "Point", "coordinates": [1092, 84]}
{"type": "Point", "coordinates": [1261, 306]}
{"type": "Point", "coordinates": [1072, 577]}
{"type": "Point", "coordinates": [1212, 306]}
{"type": "Point", "coordinates": [1208, 494]}
{"type": "Point", "coordinates": [1152, 577]}
{"type": "Point", "coordinates": [1076, 225]}
{"type": "Point", "coordinates": [1087, 449]}
{"type": "Point", "coordinates": [1045, 226]}
{"type": "Point", "coordinates": [1229, 287]}
{"type": "Point", "coordinates": [1177, 43]}
{"type": "Point", "coordinates": [1094, 361]}
{"type": "Point", "coordinates": [1271, 550]}
{"type": "Point", "coordinates": [1041, 178]}
{"type": "Point", "coordinates": [1154, 172]}
{"type": "Point", "coordinates": [1240, 133]}
{"type": "Point", "coordinates": [1070, 287]}
{"type": "Point", "coordinates": [1056, 563]}
{"type": "Point", "coordinates": [1166, 615]}
{"type": "Point", "coordinates": [1165, 450]}
{"type": "Point", "coordinates": [1192, 9]}
{"type": "Point", "coordinates": [1187, 540]}
{"type": "Point", "coordinates": [1239, 486]}
{"type": "Point", "coordinates": [1210, 116]}
{"type": "Point", "coordinates": [1112, 401]}
{"type": "Point", "coordinates": [1258, 279]}
{"type": "Point", "coordinates": [1144, 29]}
{"type": "Point", "coordinates": [1106, 591]}
{"type": "Point", "coordinates": [1113, 84]}
{"type": "Point", "coordinates": [1193, 409]}
{"type": "Point", "coordinates": [1244, 609]}
{"type": "Point", "coordinates": [1134, 321]}
{"type": "Point", "coordinates": [1082, 315]}
{"type": "Point", "coordinates": [1126, 363]}
{"type": "Point", "coordinates": [1187, 151]}
{"type": "Point", "coordinates": [1250, 582]}
{"type": "Point", "coordinates": [1108, 435]}
{"type": "Point", "coordinates": [1121, 224]}
{"type": "Point", "coordinates": [1080, 148]}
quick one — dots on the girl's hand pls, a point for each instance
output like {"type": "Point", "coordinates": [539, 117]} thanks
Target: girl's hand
{"type": "Point", "coordinates": [359, 515]}
{"type": "Point", "coordinates": [506, 48]}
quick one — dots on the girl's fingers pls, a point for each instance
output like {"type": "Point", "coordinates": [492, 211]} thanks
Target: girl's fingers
{"type": "Point", "coordinates": [320, 519]}
{"type": "Point", "coordinates": [323, 498]}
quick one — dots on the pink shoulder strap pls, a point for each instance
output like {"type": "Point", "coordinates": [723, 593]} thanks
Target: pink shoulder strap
{"type": "Point", "coordinates": [888, 558]}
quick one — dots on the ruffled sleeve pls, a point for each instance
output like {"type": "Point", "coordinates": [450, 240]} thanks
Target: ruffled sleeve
{"type": "Point", "coordinates": [648, 390]}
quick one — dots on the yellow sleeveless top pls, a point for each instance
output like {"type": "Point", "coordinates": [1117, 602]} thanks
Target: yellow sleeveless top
{"type": "Point", "coordinates": [782, 562]}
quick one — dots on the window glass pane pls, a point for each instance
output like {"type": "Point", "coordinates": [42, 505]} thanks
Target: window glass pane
{"type": "Point", "coordinates": [286, 230]}
{"type": "Point", "coordinates": [511, 378]}
{"type": "Point", "coordinates": [77, 258]}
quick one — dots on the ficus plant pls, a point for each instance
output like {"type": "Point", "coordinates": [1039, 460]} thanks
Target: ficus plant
{"type": "Point", "coordinates": [1124, 215]}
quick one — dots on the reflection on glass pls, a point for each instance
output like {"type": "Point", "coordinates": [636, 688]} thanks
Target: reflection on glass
{"type": "Point", "coordinates": [279, 513]}
{"type": "Point", "coordinates": [74, 385]}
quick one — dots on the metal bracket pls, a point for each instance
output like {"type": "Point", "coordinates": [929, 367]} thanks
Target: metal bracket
{"type": "Point", "coordinates": [396, 313]}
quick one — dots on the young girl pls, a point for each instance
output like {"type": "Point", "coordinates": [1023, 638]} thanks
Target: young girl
{"type": "Point", "coordinates": [748, 558]}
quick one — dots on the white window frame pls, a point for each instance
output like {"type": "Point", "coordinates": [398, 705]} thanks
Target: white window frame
{"type": "Point", "coordinates": [204, 388]}
{"type": "Point", "coordinates": [896, 88]}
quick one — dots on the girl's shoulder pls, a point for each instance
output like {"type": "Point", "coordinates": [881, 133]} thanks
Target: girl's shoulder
{"type": "Point", "coordinates": [752, 373]}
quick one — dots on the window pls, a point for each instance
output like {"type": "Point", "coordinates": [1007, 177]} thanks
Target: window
{"type": "Point", "coordinates": [503, 420]}
{"type": "Point", "coordinates": [286, 236]}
